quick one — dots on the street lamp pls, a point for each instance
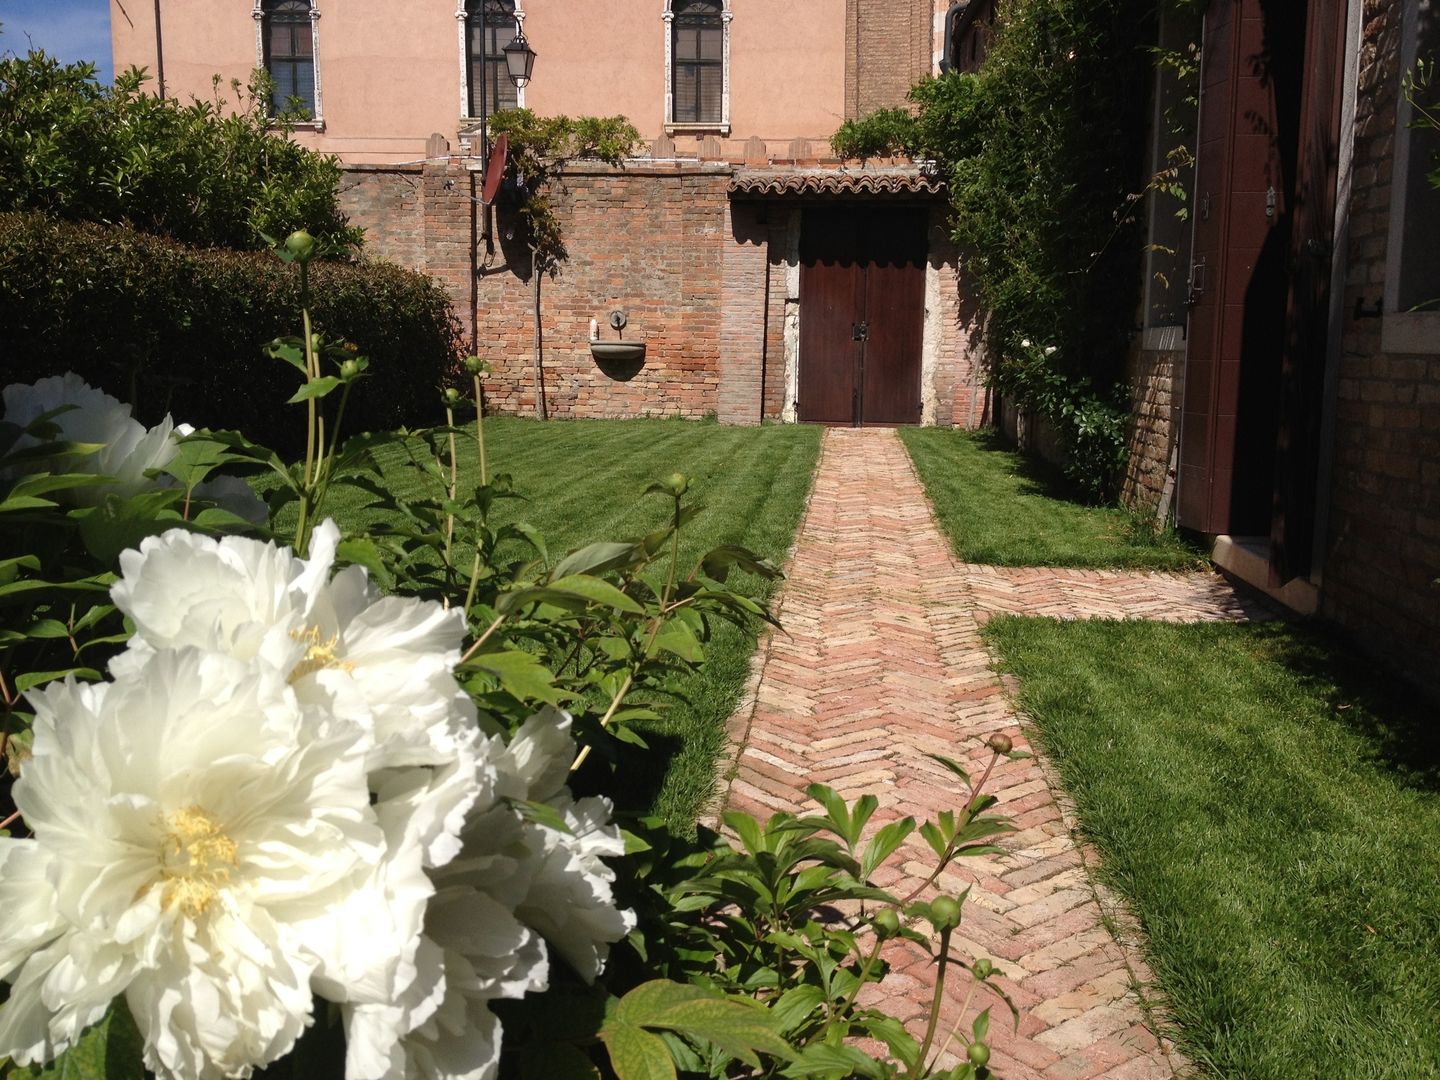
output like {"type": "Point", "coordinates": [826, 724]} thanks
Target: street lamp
{"type": "Point", "coordinates": [519, 58]}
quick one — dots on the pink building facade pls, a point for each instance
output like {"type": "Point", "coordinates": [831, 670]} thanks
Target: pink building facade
{"type": "Point", "coordinates": [765, 279]}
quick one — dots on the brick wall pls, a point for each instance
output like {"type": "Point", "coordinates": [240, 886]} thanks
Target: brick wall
{"type": "Point", "coordinates": [707, 282]}
{"type": "Point", "coordinates": [388, 202]}
{"type": "Point", "coordinates": [649, 242]}
{"type": "Point", "coordinates": [889, 47]}
{"type": "Point", "coordinates": [1156, 379]}
{"type": "Point", "coordinates": [1383, 539]}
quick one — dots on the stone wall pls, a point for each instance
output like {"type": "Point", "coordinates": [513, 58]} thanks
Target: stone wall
{"type": "Point", "coordinates": [1383, 538]}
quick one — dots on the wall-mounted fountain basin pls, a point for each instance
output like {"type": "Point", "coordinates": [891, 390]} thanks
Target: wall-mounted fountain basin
{"type": "Point", "coordinates": [617, 351]}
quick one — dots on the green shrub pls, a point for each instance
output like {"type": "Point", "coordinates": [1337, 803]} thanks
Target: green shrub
{"type": "Point", "coordinates": [180, 329]}
{"type": "Point", "coordinates": [210, 173]}
{"type": "Point", "coordinates": [1044, 207]}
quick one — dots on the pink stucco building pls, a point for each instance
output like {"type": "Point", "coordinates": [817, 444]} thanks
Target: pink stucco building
{"type": "Point", "coordinates": [765, 279]}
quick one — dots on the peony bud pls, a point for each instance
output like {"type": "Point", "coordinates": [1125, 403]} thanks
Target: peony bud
{"type": "Point", "coordinates": [301, 245]}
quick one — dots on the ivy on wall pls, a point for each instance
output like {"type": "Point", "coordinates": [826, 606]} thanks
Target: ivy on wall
{"type": "Point", "coordinates": [1044, 150]}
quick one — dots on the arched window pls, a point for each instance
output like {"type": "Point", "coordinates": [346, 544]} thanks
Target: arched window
{"type": "Point", "coordinates": [489, 27]}
{"type": "Point", "coordinates": [697, 62]}
{"type": "Point", "coordinates": [287, 43]}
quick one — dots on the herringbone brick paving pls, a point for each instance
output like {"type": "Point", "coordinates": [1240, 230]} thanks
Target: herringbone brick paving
{"type": "Point", "coordinates": [880, 664]}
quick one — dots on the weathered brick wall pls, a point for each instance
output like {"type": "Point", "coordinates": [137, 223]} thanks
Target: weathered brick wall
{"type": "Point", "coordinates": [387, 200]}
{"type": "Point", "coordinates": [1383, 540]}
{"type": "Point", "coordinates": [959, 380]}
{"type": "Point", "coordinates": [1156, 378]}
{"type": "Point", "coordinates": [743, 314]}
{"type": "Point", "coordinates": [889, 47]}
{"type": "Point", "coordinates": [651, 242]}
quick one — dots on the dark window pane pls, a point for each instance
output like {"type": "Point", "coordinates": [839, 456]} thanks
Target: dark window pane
{"type": "Point", "coordinates": [697, 48]}
{"type": "Point", "coordinates": [289, 49]}
{"type": "Point", "coordinates": [490, 27]}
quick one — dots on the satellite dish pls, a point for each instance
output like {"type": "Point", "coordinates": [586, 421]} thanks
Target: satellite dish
{"type": "Point", "coordinates": [494, 170]}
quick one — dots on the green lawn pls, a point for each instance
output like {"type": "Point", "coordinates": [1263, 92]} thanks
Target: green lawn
{"type": "Point", "coordinates": [583, 481]}
{"type": "Point", "coordinates": [1003, 508]}
{"type": "Point", "coordinates": [1271, 809]}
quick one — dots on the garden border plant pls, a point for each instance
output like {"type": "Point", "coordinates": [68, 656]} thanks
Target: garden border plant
{"type": "Point", "coordinates": [1042, 150]}
{"type": "Point", "coordinates": [697, 986]}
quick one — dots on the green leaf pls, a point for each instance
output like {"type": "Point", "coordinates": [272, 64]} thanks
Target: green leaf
{"type": "Point", "coordinates": [678, 638]}
{"type": "Point", "coordinates": [833, 1063]}
{"type": "Point", "coordinates": [39, 678]}
{"type": "Point", "coordinates": [883, 844]}
{"type": "Point", "coordinates": [739, 1028]}
{"type": "Point", "coordinates": [636, 1054]}
{"type": "Point", "coordinates": [362, 551]}
{"type": "Point", "coordinates": [954, 766]}
{"type": "Point", "coordinates": [597, 559]}
{"type": "Point", "coordinates": [110, 1049]}
{"type": "Point", "coordinates": [520, 674]}
{"type": "Point", "coordinates": [315, 388]}
{"type": "Point", "coordinates": [717, 562]}
{"type": "Point", "coordinates": [122, 523]}
{"type": "Point", "coordinates": [595, 591]}
{"type": "Point", "coordinates": [795, 1005]}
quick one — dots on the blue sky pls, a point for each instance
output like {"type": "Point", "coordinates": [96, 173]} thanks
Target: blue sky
{"type": "Point", "coordinates": [67, 29]}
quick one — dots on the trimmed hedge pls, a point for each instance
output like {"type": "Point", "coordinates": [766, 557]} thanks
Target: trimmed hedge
{"type": "Point", "coordinates": [177, 329]}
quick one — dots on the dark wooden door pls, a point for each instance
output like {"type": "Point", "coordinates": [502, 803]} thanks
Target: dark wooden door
{"type": "Point", "coordinates": [862, 315]}
{"type": "Point", "coordinates": [1292, 526]}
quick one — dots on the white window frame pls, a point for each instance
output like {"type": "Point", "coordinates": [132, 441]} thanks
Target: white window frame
{"type": "Point", "coordinates": [667, 16]}
{"type": "Point", "coordinates": [257, 12]}
{"type": "Point", "coordinates": [1412, 332]}
{"type": "Point", "coordinates": [461, 17]}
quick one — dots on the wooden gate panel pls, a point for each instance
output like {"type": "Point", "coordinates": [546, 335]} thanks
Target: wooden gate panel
{"type": "Point", "coordinates": [894, 317]}
{"type": "Point", "coordinates": [831, 291]}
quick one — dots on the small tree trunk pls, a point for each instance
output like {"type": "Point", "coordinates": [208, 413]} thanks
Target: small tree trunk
{"type": "Point", "coordinates": [539, 376]}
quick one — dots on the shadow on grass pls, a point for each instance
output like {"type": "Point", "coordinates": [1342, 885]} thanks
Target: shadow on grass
{"type": "Point", "coordinates": [641, 771]}
{"type": "Point", "coordinates": [1386, 713]}
{"type": "Point", "coordinates": [1040, 476]}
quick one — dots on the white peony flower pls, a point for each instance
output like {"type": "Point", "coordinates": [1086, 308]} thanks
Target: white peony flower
{"type": "Point", "coordinates": [92, 416]}
{"type": "Point", "coordinates": [1050, 350]}
{"type": "Point", "coordinates": [193, 821]}
{"type": "Point", "coordinates": [1024, 343]}
{"type": "Point", "coordinates": [383, 662]}
{"type": "Point", "coordinates": [128, 450]}
{"type": "Point", "coordinates": [514, 881]}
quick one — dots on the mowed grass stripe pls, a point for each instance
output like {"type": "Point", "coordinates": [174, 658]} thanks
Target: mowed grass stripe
{"type": "Point", "coordinates": [584, 480]}
{"type": "Point", "coordinates": [1002, 508]}
{"type": "Point", "coordinates": [1270, 807]}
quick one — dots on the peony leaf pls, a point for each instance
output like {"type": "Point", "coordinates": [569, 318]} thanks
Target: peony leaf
{"type": "Point", "coordinates": [739, 1028]}
{"type": "Point", "coordinates": [636, 1054]}
{"type": "Point", "coordinates": [315, 388]}
{"type": "Point", "coordinates": [521, 675]}
{"type": "Point", "coordinates": [596, 559]}
{"type": "Point", "coordinates": [107, 1050]}
{"type": "Point", "coordinates": [596, 591]}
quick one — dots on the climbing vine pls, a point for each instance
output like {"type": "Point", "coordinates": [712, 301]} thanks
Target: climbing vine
{"type": "Point", "coordinates": [540, 148]}
{"type": "Point", "coordinates": [1044, 150]}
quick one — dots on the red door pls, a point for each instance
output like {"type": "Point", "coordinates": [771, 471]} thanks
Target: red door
{"type": "Point", "coordinates": [862, 315]}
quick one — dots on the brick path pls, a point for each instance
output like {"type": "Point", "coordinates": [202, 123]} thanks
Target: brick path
{"type": "Point", "coordinates": [881, 664]}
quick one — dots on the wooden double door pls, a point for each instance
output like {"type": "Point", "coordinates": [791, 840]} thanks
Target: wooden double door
{"type": "Point", "coordinates": [862, 314]}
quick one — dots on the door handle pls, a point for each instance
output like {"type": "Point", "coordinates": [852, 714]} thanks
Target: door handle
{"type": "Point", "coordinates": [860, 332]}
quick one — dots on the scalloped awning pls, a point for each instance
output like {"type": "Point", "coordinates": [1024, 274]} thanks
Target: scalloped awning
{"type": "Point", "coordinates": [882, 181]}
